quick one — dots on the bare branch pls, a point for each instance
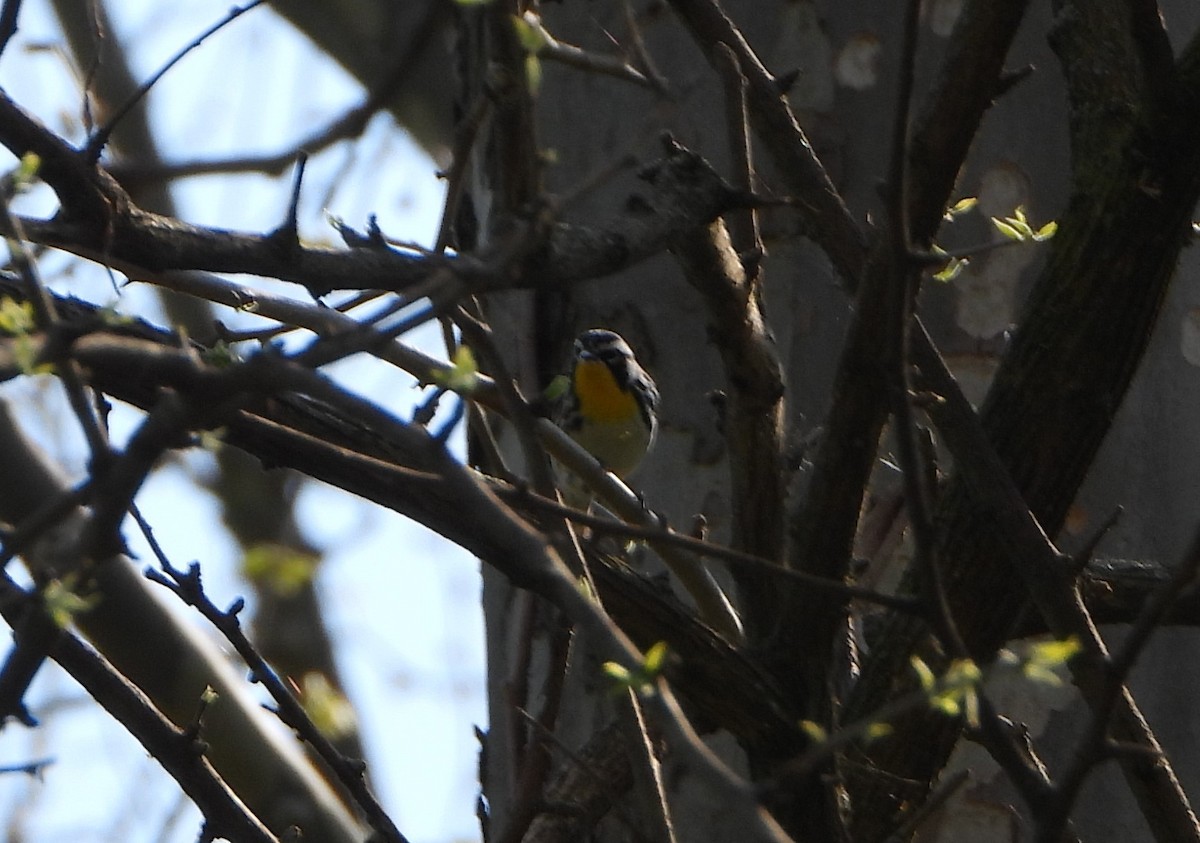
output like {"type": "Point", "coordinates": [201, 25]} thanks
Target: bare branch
{"type": "Point", "coordinates": [170, 746]}
{"type": "Point", "coordinates": [351, 773]}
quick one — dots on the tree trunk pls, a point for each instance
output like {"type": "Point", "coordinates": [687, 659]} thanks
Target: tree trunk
{"type": "Point", "coordinates": [848, 55]}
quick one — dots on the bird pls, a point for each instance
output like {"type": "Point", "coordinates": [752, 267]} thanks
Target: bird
{"type": "Point", "coordinates": [609, 406]}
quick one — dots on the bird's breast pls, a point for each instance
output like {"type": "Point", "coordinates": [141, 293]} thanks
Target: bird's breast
{"type": "Point", "coordinates": [601, 398]}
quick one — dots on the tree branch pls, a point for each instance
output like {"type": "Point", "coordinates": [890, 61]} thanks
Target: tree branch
{"type": "Point", "coordinates": [98, 221]}
{"type": "Point", "coordinates": [171, 746]}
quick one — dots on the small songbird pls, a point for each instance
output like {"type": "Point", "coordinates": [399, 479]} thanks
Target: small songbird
{"type": "Point", "coordinates": [610, 405]}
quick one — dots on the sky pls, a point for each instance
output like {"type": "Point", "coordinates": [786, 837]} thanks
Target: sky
{"type": "Point", "coordinates": [402, 603]}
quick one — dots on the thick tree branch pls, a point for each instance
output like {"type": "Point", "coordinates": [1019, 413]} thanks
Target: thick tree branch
{"type": "Point", "coordinates": [98, 221]}
{"type": "Point", "coordinates": [828, 221]}
{"type": "Point", "coordinates": [753, 407]}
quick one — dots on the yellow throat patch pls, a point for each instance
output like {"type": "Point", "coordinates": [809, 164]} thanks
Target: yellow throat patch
{"type": "Point", "coordinates": [600, 398]}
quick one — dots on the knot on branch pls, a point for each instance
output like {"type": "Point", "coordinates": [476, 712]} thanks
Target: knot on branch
{"type": "Point", "coordinates": [685, 192]}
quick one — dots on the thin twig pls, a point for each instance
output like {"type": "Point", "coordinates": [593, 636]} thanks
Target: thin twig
{"type": "Point", "coordinates": [742, 222]}
{"type": "Point", "coordinates": [533, 761]}
{"type": "Point", "coordinates": [478, 336]}
{"type": "Point", "coordinates": [99, 139]}
{"type": "Point", "coordinates": [344, 127]}
{"type": "Point", "coordinates": [647, 769]}
{"type": "Point", "coordinates": [8, 22]}
{"type": "Point", "coordinates": [615, 66]}
{"type": "Point", "coordinates": [1081, 558]}
{"type": "Point", "coordinates": [31, 768]}
{"type": "Point", "coordinates": [167, 744]}
{"type": "Point", "coordinates": [904, 278]}
{"type": "Point", "coordinates": [602, 780]}
{"type": "Point", "coordinates": [642, 53]}
{"type": "Point", "coordinates": [465, 136]}
{"type": "Point", "coordinates": [287, 235]}
{"type": "Point", "coordinates": [660, 534]}
{"type": "Point", "coordinates": [945, 789]}
{"type": "Point", "coordinates": [187, 586]}
{"type": "Point", "coordinates": [48, 516]}
{"type": "Point", "coordinates": [1092, 747]}
{"type": "Point", "coordinates": [47, 318]}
